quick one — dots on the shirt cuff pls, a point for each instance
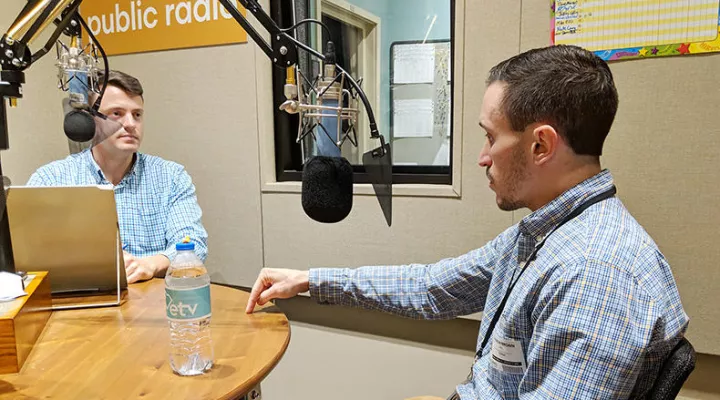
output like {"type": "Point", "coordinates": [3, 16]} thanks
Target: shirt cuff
{"type": "Point", "coordinates": [327, 285]}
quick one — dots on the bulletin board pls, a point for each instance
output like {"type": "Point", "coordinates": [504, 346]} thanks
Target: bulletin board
{"type": "Point", "coordinates": [631, 29]}
{"type": "Point", "coordinates": [420, 89]}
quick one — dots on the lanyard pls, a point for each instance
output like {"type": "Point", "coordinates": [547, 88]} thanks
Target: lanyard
{"type": "Point", "coordinates": [584, 206]}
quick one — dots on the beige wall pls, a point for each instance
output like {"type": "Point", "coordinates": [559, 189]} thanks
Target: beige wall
{"type": "Point", "coordinates": [209, 110]}
{"type": "Point", "coordinates": [198, 113]}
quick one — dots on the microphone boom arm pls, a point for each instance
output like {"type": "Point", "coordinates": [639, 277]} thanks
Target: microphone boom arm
{"type": "Point", "coordinates": [15, 55]}
{"type": "Point", "coordinates": [285, 53]}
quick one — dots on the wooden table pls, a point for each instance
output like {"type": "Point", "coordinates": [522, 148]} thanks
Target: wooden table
{"type": "Point", "coordinates": [122, 352]}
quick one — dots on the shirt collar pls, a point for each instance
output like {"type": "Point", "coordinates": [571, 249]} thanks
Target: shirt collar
{"type": "Point", "coordinates": [544, 219]}
{"type": "Point", "coordinates": [97, 171]}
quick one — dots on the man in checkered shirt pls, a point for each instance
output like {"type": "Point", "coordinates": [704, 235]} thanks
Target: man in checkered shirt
{"type": "Point", "coordinates": [596, 310]}
{"type": "Point", "coordinates": [156, 202]}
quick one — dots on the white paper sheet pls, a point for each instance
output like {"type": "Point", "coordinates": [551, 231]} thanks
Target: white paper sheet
{"type": "Point", "coordinates": [10, 286]}
{"type": "Point", "coordinates": [413, 118]}
{"type": "Point", "coordinates": [414, 63]}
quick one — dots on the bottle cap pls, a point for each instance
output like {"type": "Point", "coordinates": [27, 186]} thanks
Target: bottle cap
{"type": "Point", "coordinates": [186, 244]}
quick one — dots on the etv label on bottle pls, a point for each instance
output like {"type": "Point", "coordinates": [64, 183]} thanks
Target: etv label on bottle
{"type": "Point", "coordinates": [187, 304]}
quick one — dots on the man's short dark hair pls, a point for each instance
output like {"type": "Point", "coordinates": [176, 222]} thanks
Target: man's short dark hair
{"type": "Point", "coordinates": [129, 84]}
{"type": "Point", "coordinates": [566, 87]}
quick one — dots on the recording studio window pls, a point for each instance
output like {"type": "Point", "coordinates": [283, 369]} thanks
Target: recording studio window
{"type": "Point", "coordinates": [402, 51]}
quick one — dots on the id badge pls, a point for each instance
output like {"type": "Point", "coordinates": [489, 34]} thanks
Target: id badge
{"type": "Point", "coordinates": [507, 356]}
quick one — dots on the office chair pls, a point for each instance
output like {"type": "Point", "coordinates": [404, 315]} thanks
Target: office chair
{"type": "Point", "coordinates": [676, 369]}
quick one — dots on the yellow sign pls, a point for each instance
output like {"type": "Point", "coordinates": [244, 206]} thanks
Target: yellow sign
{"type": "Point", "coordinates": [134, 26]}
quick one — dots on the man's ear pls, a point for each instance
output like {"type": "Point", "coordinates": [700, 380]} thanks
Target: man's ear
{"type": "Point", "coordinates": [546, 142]}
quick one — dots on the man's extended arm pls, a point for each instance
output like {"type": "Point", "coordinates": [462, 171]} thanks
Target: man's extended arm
{"type": "Point", "coordinates": [448, 288]}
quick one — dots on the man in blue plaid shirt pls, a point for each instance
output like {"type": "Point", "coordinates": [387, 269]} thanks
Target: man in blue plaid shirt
{"type": "Point", "coordinates": [577, 300]}
{"type": "Point", "coordinates": [156, 202]}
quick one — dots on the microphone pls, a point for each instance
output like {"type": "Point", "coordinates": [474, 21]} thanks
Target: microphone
{"type": "Point", "coordinates": [327, 178]}
{"type": "Point", "coordinates": [328, 109]}
{"type": "Point", "coordinates": [327, 140]}
{"type": "Point", "coordinates": [78, 75]}
{"type": "Point", "coordinates": [79, 125]}
{"type": "Point", "coordinates": [327, 188]}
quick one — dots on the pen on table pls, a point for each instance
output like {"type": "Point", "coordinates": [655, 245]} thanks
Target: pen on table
{"type": "Point", "coordinates": [22, 276]}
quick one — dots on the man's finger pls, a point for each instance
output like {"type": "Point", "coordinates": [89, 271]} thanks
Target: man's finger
{"type": "Point", "coordinates": [268, 295]}
{"type": "Point", "coordinates": [257, 289]}
{"type": "Point", "coordinates": [132, 278]}
{"type": "Point", "coordinates": [142, 273]}
{"type": "Point", "coordinates": [128, 258]}
{"type": "Point", "coordinates": [130, 269]}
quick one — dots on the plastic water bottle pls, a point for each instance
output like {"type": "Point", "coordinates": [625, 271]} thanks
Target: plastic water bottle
{"type": "Point", "coordinates": [187, 305]}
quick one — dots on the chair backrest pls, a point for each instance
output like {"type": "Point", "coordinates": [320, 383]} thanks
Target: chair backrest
{"type": "Point", "coordinates": [676, 369]}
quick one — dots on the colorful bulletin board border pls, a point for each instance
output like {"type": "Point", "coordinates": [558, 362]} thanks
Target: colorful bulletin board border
{"type": "Point", "coordinates": [628, 53]}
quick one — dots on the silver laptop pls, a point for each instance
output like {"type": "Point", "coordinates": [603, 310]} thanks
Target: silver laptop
{"type": "Point", "coordinates": [71, 232]}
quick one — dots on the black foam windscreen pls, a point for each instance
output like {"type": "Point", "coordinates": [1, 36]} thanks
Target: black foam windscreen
{"type": "Point", "coordinates": [327, 188]}
{"type": "Point", "coordinates": [79, 126]}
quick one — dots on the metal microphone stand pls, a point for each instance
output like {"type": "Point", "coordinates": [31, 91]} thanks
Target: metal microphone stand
{"type": "Point", "coordinates": [7, 261]}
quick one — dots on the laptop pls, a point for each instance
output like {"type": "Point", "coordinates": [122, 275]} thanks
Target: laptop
{"type": "Point", "coordinates": [73, 233]}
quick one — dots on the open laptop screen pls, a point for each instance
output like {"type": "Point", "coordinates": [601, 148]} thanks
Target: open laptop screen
{"type": "Point", "coordinates": [70, 231]}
